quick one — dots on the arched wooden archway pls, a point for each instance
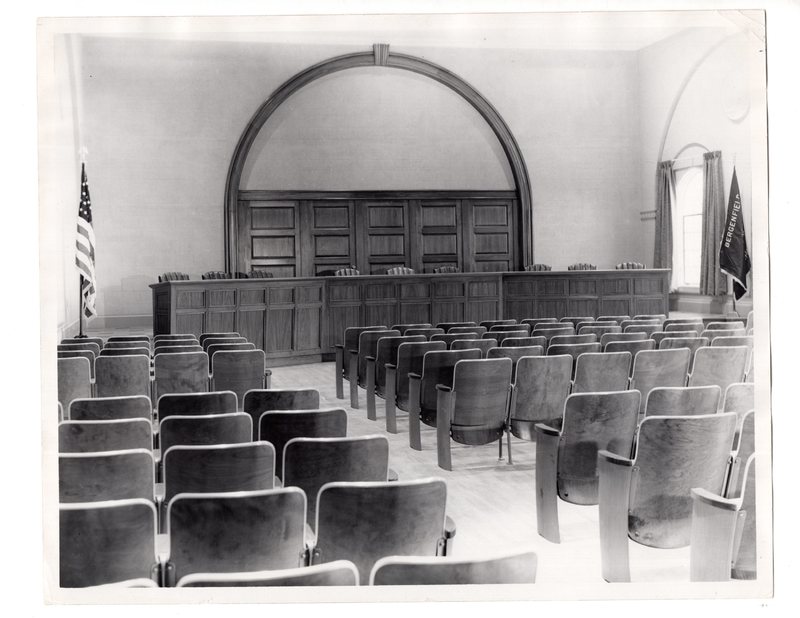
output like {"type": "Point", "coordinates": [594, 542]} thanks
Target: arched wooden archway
{"type": "Point", "coordinates": [380, 56]}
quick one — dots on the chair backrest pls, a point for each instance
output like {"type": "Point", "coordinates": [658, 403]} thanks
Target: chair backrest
{"type": "Point", "coordinates": [573, 339]}
{"type": "Point", "coordinates": [346, 272]}
{"type": "Point", "coordinates": [601, 372]}
{"type": "Point", "coordinates": [256, 402]}
{"type": "Point", "coordinates": [534, 322]}
{"type": "Point", "coordinates": [480, 390]}
{"type": "Point", "coordinates": [113, 345]}
{"type": "Point", "coordinates": [616, 319]}
{"type": "Point", "coordinates": [651, 316]}
{"type": "Point", "coordinates": [514, 353]}
{"type": "Point", "coordinates": [652, 368]}
{"type": "Point", "coordinates": [364, 522]}
{"type": "Point", "coordinates": [120, 376]}
{"type": "Point", "coordinates": [259, 274]}
{"type": "Point", "coordinates": [722, 366]}
{"type": "Point", "coordinates": [353, 333]}
{"type": "Point", "coordinates": [110, 408]}
{"type": "Point", "coordinates": [204, 336]}
{"type": "Point", "coordinates": [338, 573]}
{"type": "Point", "coordinates": [184, 404]}
{"type": "Point", "coordinates": [129, 338]}
{"type": "Point", "coordinates": [575, 320]}
{"type": "Point", "coordinates": [409, 360]}
{"type": "Point", "coordinates": [184, 372]}
{"type": "Point", "coordinates": [175, 349]}
{"type": "Point", "coordinates": [204, 430]}
{"type": "Point", "coordinates": [161, 344]}
{"type": "Point", "coordinates": [174, 337]}
{"type": "Point", "coordinates": [386, 352]}
{"type": "Point", "coordinates": [278, 427]}
{"type": "Point", "coordinates": [111, 475]}
{"type": "Point", "coordinates": [218, 533]}
{"type": "Point", "coordinates": [484, 345]}
{"type": "Point", "coordinates": [226, 347]}
{"type": "Point", "coordinates": [727, 342]}
{"type": "Point", "coordinates": [404, 327]}
{"type": "Point", "coordinates": [609, 337]}
{"type": "Point", "coordinates": [238, 371]}
{"type": "Point", "coordinates": [426, 332]}
{"type": "Point", "coordinates": [87, 354]}
{"type": "Point", "coordinates": [105, 542]}
{"type": "Point", "coordinates": [209, 341]}
{"type": "Point", "coordinates": [109, 351]}
{"type": "Point", "coordinates": [632, 347]}
{"type": "Point", "coordinates": [74, 380]}
{"type": "Point", "coordinates": [640, 322]}
{"type": "Point", "coordinates": [695, 327]}
{"type": "Point", "coordinates": [368, 346]}
{"type": "Point", "coordinates": [573, 349]}
{"type": "Point", "coordinates": [686, 321]}
{"type": "Point", "coordinates": [673, 455]}
{"type": "Point", "coordinates": [517, 568]}
{"type": "Point", "coordinates": [593, 422]}
{"type": "Point", "coordinates": [310, 463]}
{"type": "Point", "coordinates": [400, 270]}
{"type": "Point", "coordinates": [446, 269]}
{"type": "Point", "coordinates": [728, 325]}
{"type": "Point", "coordinates": [437, 368]}
{"type": "Point", "coordinates": [682, 400]}
{"type": "Point", "coordinates": [549, 333]}
{"type": "Point", "coordinates": [446, 326]}
{"type": "Point", "coordinates": [512, 327]}
{"type": "Point", "coordinates": [716, 334]}
{"type": "Point", "coordinates": [647, 329]}
{"type": "Point", "coordinates": [676, 341]}
{"type": "Point", "coordinates": [97, 436]}
{"type": "Point", "coordinates": [449, 338]}
{"type": "Point", "coordinates": [96, 340]}
{"type": "Point", "coordinates": [739, 398]}
{"type": "Point", "coordinates": [478, 331]}
{"type": "Point", "coordinates": [541, 387]}
{"type": "Point", "coordinates": [501, 335]}
{"type": "Point", "coordinates": [80, 344]}
{"type": "Point", "coordinates": [598, 330]}
{"type": "Point", "coordinates": [214, 468]}
{"type": "Point", "coordinates": [523, 342]}
{"type": "Point", "coordinates": [489, 323]}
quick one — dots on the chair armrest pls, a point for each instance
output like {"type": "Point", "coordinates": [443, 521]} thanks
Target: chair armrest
{"type": "Point", "coordinates": [414, 376]}
{"type": "Point", "coordinates": [276, 482]}
{"type": "Point", "coordinates": [370, 359]}
{"type": "Point", "coordinates": [339, 345]}
{"type": "Point", "coordinates": [391, 475]}
{"type": "Point", "coordinates": [444, 388]}
{"type": "Point", "coordinates": [613, 498]}
{"type": "Point", "coordinates": [613, 458]}
{"type": "Point", "coordinates": [310, 539]}
{"type": "Point", "coordinates": [449, 527]}
{"type": "Point", "coordinates": [390, 366]}
{"type": "Point", "coordinates": [712, 499]}
{"type": "Point", "coordinates": [446, 542]}
{"type": "Point", "coordinates": [160, 492]}
{"type": "Point", "coordinates": [157, 455]}
{"type": "Point", "coordinates": [162, 547]}
{"type": "Point", "coordinates": [715, 524]}
{"type": "Point", "coordinates": [546, 429]}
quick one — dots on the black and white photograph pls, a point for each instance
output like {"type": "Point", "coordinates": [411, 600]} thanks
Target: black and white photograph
{"type": "Point", "coordinates": [408, 303]}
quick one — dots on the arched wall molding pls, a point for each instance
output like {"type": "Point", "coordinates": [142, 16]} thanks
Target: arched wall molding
{"type": "Point", "coordinates": [380, 56]}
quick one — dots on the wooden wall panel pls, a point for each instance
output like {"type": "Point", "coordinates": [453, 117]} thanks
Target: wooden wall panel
{"type": "Point", "coordinates": [438, 234]}
{"type": "Point", "coordinates": [190, 323]}
{"type": "Point", "coordinates": [250, 324]}
{"type": "Point", "coordinates": [280, 326]}
{"type": "Point", "coordinates": [616, 306]}
{"type": "Point", "coordinates": [220, 321]}
{"type": "Point", "coordinates": [341, 317]}
{"type": "Point", "coordinates": [308, 324]}
{"type": "Point", "coordinates": [414, 313]}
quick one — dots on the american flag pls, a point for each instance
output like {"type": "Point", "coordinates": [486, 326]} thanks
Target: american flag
{"type": "Point", "coordinates": [84, 248]}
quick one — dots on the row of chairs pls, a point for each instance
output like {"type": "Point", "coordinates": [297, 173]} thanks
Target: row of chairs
{"type": "Point", "coordinates": [216, 274]}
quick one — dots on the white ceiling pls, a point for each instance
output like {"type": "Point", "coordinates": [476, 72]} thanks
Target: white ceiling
{"type": "Point", "coordinates": [576, 30]}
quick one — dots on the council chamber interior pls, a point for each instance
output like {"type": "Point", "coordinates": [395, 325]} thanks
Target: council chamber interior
{"type": "Point", "coordinates": [422, 300]}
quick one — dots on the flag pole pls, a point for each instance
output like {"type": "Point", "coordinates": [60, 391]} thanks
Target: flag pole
{"type": "Point", "coordinates": [81, 334]}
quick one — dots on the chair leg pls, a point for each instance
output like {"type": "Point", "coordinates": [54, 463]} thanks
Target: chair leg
{"type": "Point", "coordinates": [339, 371]}
{"type": "Point", "coordinates": [613, 498]}
{"type": "Point", "coordinates": [546, 486]}
{"type": "Point", "coordinates": [500, 448]}
{"type": "Point", "coordinates": [371, 390]}
{"type": "Point", "coordinates": [414, 438]}
{"type": "Point", "coordinates": [391, 410]}
{"type": "Point", "coordinates": [353, 377]}
{"type": "Point", "coordinates": [508, 445]}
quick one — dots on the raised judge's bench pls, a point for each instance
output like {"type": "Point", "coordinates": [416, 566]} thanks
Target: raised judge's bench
{"type": "Point", "coordinates": [299, 320]}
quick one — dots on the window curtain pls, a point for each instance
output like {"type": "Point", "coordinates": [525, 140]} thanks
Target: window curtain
{"type": "Point", "coordinates": [665, 202]}
{"type": "Point", "coordinates": [712, 280]}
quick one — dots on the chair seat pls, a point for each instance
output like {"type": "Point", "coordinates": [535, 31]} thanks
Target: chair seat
{"type": "Point", "coordinates": [475, 434]}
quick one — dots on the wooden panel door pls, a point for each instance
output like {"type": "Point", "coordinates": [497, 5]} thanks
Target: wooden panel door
{"type": "Point", "coordinates": [328, 236]}
{"type": "Point", "coordinates": [272, 237]}
{"type": "Point", "coordinates": [489, 235]}
{"type": "Point", "coordinates": [383, 228]}
{"type": "Point", "coordinates": [438, 233]}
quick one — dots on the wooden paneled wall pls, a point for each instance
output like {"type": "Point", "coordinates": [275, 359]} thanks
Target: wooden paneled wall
{"type": "Point", "coordinates": [306, 234]}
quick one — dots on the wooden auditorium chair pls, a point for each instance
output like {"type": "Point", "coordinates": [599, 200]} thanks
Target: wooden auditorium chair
{"type": "Point", "coordinates": [212, 335]}
{"type": "Point", "coordinates": [566, 458]}
{"type": "Point", "coordinates": [573, 349]}
{"type": "Point", "coordinates": [648, 329]}
{"type": "Point", "coordinates": [428, 332]}
{"type": "Point", "coordinates": [616, 319]}
{"type": "Point", "coordinates": [744, 446]}
{"type": "Point", "coordinates": [573, 339]}
{"type": "Point", "coordinates": [484, 345]}
{"type": "Point", "coordinates": [105, 435]}
{"type": "Point", "coordinates": [182, 372]}
{"type": "Point", "coordinates": [121, 376]}
{"type": "Point", "coordinates": [620, 336]}
{"type": "Point", "coordinates": [518, 568]}
{"type": "Point", "coordinates": [534, 322]}
{"type": "Point", "coordinates": [602, 372]}
{"type": "Point", "coordinates": [204, 429]}
{"type": "Point", "coordinates": [511, 327]}
{"type": "Point", "coordinates": [208, 338]}
{"type": "Point", "coordinates": [259, 401]}
{"type": "Point", "coordinates": [449, 338]}
{"type": "Point", "coordinates": [310, 463]}
{"type": "Point", "coordinates": [739, 398]}
{"type": "Point", "coordinates": [674, 454]}
{"type": "Point", "coordinates": [478, 331]}
{"type": "Point", "coordinates": [219, 532]}
{"type": "Point", "coordinates": [98, 341]}
{"type": "Point", "coordinates": [183, 404]}
{"type": "Point", "coordinates": [144, 339]}
{"type": "Point", "coordinates": [87, 354]}
{"type": "Point", "coordinates": [682, 400]}
{"type": "Point", "coordinates": [575, 320]}
{"type": "Point", "coordinates": [474, 409]}
{"type": "Point", "coordinates": [226, 347]}
{"type": "Point", "coordinates": [446, 326]}
{"type": "Point", "coordinates": [337, 573]}
{"type": "Point", "coordinates": [357, 360]}
{"type": "Point", "coordinates": [74, 380]}
{"type": "Point", "coordinates": [652, 368]}
{"type": "Point", "coordinates": [238, 371]}
{"type": "Point", "coordinates": [437, 369]}
{"type": "Point", "coordinates": [109, 475]}
{"type": "Point", "coordinates": [279, 426]}
{"type": "Point", "coordinates": [385, 352]}
{"type": "Point", "coordinates": [107, 542]}
{"type": "Point", "coordinates": [487, 324]}
{"type": "Point", "coordinates": [599, 329]}
{"type": "Point", "coordinates": [174, 337]}
{"type": "Point", "coordinates": [110, 408]}
{"type": "Point", "coordinates": [540, 389]}
{"type": "Point", "coordinates": [661, 317]}
{"type": "Point", "coordinates": [409, 360]}
{"type": "Point", "coordinates": [349, 342]}
{"type": "Point", "coordinates": [515, 342]}
{"type": "Point", "coordinates": [501, 335]}
{"type": "Point", "coordinates": [364, 522]}
{"type": "Point", "coordinates": [514, 353]}
{"type": "Point", "coordinates": [722, 366]}
{"type": "Point", "coordinates": [404, 327]}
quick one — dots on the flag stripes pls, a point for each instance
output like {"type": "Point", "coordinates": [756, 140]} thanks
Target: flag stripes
{"type": "Point", "coordinates": [84, 249]}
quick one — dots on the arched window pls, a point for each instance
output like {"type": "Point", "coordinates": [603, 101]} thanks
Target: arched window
{"type": "Point", "coordinates": [687, 219]}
